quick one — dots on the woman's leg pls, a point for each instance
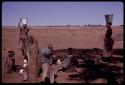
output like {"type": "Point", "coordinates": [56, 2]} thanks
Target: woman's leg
{"type": "Point", "coordinates": [45, 68]}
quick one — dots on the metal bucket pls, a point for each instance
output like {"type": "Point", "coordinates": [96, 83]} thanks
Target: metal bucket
{"type": "Point", "coordinates": [24, 21]}
{"type": "Point", "coordinates": [109, 18]}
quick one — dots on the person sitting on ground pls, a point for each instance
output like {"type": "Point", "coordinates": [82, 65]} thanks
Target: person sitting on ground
{"type": "Point", "coordinates": [67, 61]}
{"type": "Point", "coordinates": [10, 62]}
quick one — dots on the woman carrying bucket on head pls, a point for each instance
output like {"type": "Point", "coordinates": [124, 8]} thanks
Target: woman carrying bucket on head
{"type": "Point", "coordinates": [24, 22]}
{"type": "Point", "coordinates": [23, 34]}
{"type": "Point", "coordinates": [108, 41]}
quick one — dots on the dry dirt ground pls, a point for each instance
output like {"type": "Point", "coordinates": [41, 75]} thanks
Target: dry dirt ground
{"type": "Point", "coordinates": [61, 38]}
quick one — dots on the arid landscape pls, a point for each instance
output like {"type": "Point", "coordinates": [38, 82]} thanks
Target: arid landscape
{"type": "Point", "coordinates": [60, 38]}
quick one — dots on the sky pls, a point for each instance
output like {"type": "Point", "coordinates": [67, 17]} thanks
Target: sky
{"type": "Point", "coordinates": [61, 13]}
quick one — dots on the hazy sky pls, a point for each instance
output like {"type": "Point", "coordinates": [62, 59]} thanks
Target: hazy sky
{"type": "Point", "coordinates": [61, 13]}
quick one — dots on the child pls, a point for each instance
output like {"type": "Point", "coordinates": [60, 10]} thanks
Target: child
{"type": "Point", "coordinates": [10, 62]}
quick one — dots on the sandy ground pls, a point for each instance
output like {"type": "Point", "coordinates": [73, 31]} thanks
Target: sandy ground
{"type": "Point", "coordinates": [79, 38]}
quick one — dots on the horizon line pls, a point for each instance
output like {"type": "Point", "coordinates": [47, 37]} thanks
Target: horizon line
{"type": "Point", "coordinates": [63, 25]}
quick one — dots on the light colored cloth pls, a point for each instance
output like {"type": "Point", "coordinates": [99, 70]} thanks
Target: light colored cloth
{"type": "Point", "coordinates": [49, 71]}
{"type": "Point", "coordinates": [25, 63]}
{"type": "Point", "coordinates": [45, 68]}
{"type": "Point", "coordinates": [24, 70]}
{"type": "Point", "coordinates": [59, 61]}
{"type": "Point", "coordinates": [24, 21]}
{"type": "Point", "coordinates": [54, 71]}
{"type": "Point", "coordinates": [21, 71]}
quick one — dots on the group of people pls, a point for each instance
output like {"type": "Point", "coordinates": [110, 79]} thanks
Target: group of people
{"type": "Point", "coordinates": [46, 56]}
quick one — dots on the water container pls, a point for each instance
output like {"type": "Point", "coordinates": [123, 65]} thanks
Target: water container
{"type": "Point", "coordinates": [109, 18]}
{"type": "Point", "coordinates": [24, 21]}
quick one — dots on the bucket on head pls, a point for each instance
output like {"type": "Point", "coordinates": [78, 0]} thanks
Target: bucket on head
{"type": "Point", "coordinates": [24, 21]}
{"type": "Point", "coordinates": [109, 18]}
